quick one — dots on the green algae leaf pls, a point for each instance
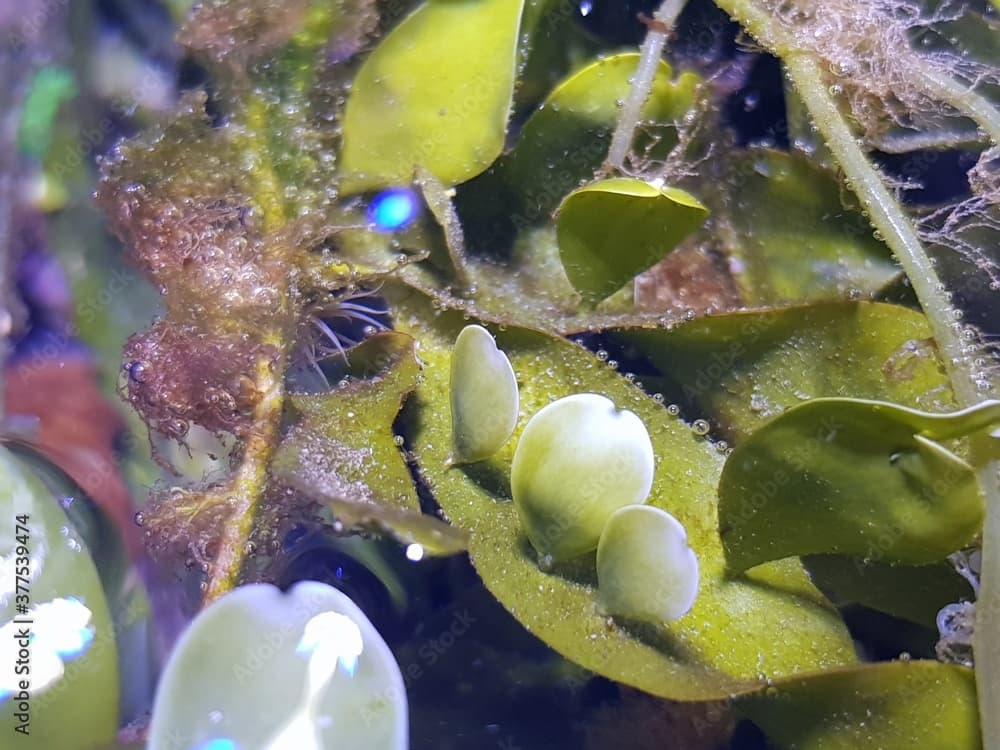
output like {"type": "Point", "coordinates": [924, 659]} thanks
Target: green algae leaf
{"type": "Point", "coordinates": [857, 477]}
{"type": "Point", "coordinates": [611, 230]}
{"type": "Point", "coordinates": [890, 705]}
{"type": "Point", "coordinates": [435, 93]}
{"type": "Point", "coordinates": [793, 239]}
{"type": "Point", "coordinates": [74, 688]}
{"type": "Point", "coordinates": [743, 368]}
{"type": "Point", "coordinates": [342, 446]}
{"type": "Point", "coordinates": [266, 668]}
{"type": "Point", "coordinates": [912, 592]}
{"type": "Point", "coordinates": [567, 138]}
{"type": "Point", "coordinates": [723, 645]}
{"type": "Point", "coordinates": [342, 450]}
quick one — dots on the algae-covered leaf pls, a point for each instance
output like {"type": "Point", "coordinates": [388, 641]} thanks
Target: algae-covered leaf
{"type": "Point", "coordinates": [727, 640]}
{"type": "Point", "coordinates": [743, 368]}
{"type": "Point", "coordinates": [342, 448]}
{"type": "Point", "coordinates": [851, 477]}
{"type": "Point", "coordinates": [911, 592]}
{"type": "Point", "coordinates": [435, 93]}
{"type": "Point", "coordinates": [567, 138]}
{"type": "Point", "coordinates": [890, 705]}
{"type": "Point", "coordinates": [343, 453]}
{"type": "Point", "coordinates": [611, 230]}
{"type": "Point", "coordinates": [794, 239]}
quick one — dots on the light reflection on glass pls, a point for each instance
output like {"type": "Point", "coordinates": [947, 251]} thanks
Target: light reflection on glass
{"type": "Point", "coordinates": [329, 639]}
{"type": "Point", "coordinates": [52, 633]}
{"type": "Point", "coordinates": [218, 744]}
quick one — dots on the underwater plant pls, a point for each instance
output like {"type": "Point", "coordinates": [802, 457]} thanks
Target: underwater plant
{"type": "Point", "coordinates": [577, 461]}
{"type": "Point", "coordinates": [534, 298]}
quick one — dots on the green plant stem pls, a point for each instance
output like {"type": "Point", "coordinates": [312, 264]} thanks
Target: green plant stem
{"type": "Point", "coordinates": [889, 218]}
{"type": "Point", "coordinates": [963, 98]}
{"type": "Point", "coordinates": [249, 481]}
{"type": "Point", "coordinates": [649, 58]}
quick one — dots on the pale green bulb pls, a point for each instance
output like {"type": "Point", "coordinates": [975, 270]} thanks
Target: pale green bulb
{"type": "Point", "coordinates": [645, 569]}
{"type": "Point", "coordinates": [484, 397]}
{"type": "Point", "coordinates": [302, 669]}
{"type": "Point", "coordinates": [578, 461]}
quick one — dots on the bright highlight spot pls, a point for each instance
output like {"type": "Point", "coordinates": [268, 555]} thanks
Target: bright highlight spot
{"type": "Point", "coordinates": [415, 552]}
{"type": "Point", "coordinates": [218, 744]}
{"type": "Point", "coordinates": [329, 638]}
{"type": "Point", "coordinates": [60, 631]}
{"type": "Point", "coordinates": [393, 209]}
{"type": "Point", "coordinates": [62, 625]}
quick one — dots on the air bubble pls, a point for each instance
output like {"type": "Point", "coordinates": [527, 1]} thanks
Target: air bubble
{"type": "Point", "coordinates": [138, 372]}
{"type": "Point", "coordinates": [673, 410]}
{"type": "Point", "coordinates": [700, 427]}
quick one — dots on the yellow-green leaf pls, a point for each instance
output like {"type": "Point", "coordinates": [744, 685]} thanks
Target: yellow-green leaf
{"type": "Point", "coordinates": [435, 93]}
{"type": "Point", "coordinates": [611, 230]}
{"type": "Point", "coordinates": [567, 138]}
{"type": "Point", "coordinates": [342, 449]}
{"type": "Point", "coordinates": [723, 645]}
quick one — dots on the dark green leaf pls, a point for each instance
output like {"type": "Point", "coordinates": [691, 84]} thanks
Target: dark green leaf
{"type": "Point", "coordinates": [743, 368]}
{"type": "Point", "coordinates": [794, 239]}
{"type": "Point", "coordinates": [912, 592]}
{"type": "Point", "coordinates": [891, 706]}
{"type": "Point", "coordinates": [851, 477]}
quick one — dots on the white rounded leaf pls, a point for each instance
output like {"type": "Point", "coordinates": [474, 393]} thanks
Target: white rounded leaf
{"type": "Point", "coordinates": [645, 569]}
{"type": "Point", "coordinates": [484, 398]}
{"type": "Point", "coordinates": [259, 669]}
{"type": "Point", "coordinates": [578, 461]}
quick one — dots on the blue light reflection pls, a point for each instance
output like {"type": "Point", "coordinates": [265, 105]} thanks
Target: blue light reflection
{"type": "Point", "coordinates": [393, 209]}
